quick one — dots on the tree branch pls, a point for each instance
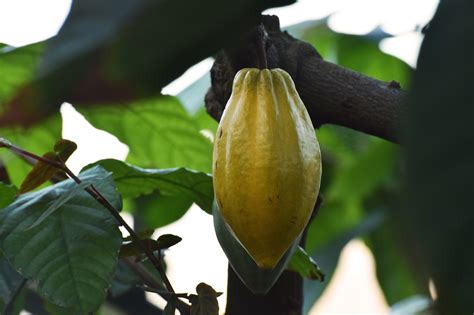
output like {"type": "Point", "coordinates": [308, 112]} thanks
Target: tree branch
{"type": "Point", "coordinates": [332, 94]}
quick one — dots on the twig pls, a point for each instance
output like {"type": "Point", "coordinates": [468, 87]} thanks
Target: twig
{"type": "Point", "coordinates": [151, 282]}
{"type": "Point", "coordinates": [91, 190]}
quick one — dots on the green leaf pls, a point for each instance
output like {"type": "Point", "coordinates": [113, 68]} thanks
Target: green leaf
{"type": "Point", "coordinates": [302, 263]}
{"type": "Point", "coordinates": [17, 66]}
{"type": "Point", "coordinates": [257, 280]}
{"type": "Point", "coordinates": [119, 50]}
{"type": "Point", "coordinates": [205, 303]}
{"type": "Point", "coordinates": [74, 249]}
{"type": "Point", "coordinates": [167, 240]}
{"type": "Point", "coordinates": [159, 132]}
{"type": "Point", "coordinates": [438, 218]}
{"type": "Point", "coordinates": [7, 194]}
{"type": "Point", "coordinates": [37, 139]}
{"type": "Point", "coordinates": [133, 181]}
{"type": "Point", "coordinates": [158, 210]}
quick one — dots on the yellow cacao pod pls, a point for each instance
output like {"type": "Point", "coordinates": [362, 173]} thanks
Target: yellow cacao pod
{"type": "Point", "coordinates": [266, 164]}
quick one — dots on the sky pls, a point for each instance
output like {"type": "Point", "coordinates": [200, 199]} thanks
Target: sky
{"type": "Point", "coordinates": [26, 21]}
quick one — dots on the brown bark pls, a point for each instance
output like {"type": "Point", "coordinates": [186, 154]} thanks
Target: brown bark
{"type": "Point", "coordinates": [332, 94]}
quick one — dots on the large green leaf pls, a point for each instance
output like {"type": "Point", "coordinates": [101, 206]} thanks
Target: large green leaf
{"type": "Point", "coordinates": [120, 50]}
{"type": "Point", "coordinates": [159, 132]}
{"type": "Point", "coordinates": [438, 220]}
{"type": "Point", "coordinates": [181, 183]}
{"type": "Point", "coordinates": [73, 253]}
{"type": "Point", "coordinates": [17, 66]}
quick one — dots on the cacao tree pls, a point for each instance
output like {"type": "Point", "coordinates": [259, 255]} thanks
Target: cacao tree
{"type": "Point", "coordinates": [395, 146]}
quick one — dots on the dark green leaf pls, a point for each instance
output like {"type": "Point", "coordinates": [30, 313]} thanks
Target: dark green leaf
{"type": "Point", "coordinates": [7, 194]}
{"type": "Point", "coordinates": [75, 248]}
{"type": "Point", "coordinates": [159, 132]}
{"type": "Point", "coordinates": [438, 219]}
{"type": "Point", "coordinates": [133, 181]}
{"type": "Point", "coordinates": [119, 50]}
{"type": "Point", "coordinates": [124, 279]}
{"type": "Point", "coordinates": [133, 249]}
{"type": "Point", "coordinates": [10, 282]}
{"type": "Point", "coordinates": [257, 280]}
{"type": "Point", "coordinates": [64, 149]}
{"type": "Point", "coordinates": [395, 277]}
{"type": "Point", "coordinates": [205, 303]}
{"type": "Point", "coordinates": [302, 263]}
{"type": "Point", "coordinates": [167, 240]}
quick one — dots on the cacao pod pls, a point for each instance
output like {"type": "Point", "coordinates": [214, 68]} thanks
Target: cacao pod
{"type": "Point", "coordinates": [266, 164]}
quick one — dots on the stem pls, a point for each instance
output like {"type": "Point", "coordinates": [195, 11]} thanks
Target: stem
{"type": "Point", "coordinates": [91, 190]}
{"type": "Point", "coordinates": [150, 281]}
{"type": "Point", "coordinates": [260, 41]}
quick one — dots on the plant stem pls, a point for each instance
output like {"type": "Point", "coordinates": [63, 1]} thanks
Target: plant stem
{"type": "Point", "coordinates": [260, 42]}
{"type": "Point", "coordinates": [91, 190]}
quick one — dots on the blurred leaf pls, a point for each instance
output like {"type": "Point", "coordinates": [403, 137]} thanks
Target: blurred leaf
{"type": "Point", "coordinates": [302, 263]}
{"type": "Point", "coordinates": [348, 183]}
{"type": "Point", "coordinates": [438, 220]}
{"type": "Point", "coordinates": [159, 132]}
{"type": "Point", "coordinates": [7, 194]}
{"type": "Point", "coordinates": [257, 280]}
{"type": "Point", "coordinates": [359, 53]}
{"type": "Point", "coordinates": [53, 253]}
{"type": "Point", "coordinates": [393, 271]}
{"type": "Point", "coordinates": [205, 303]}
{"type": "Point", "coordinates": [133, 181]}
{"type": "Point", "coordinates": [120, 50]}
{"type": "Point", "coordinates": [37, 139]}
{"type": "Point", "coordinates": [10, 282]}
{"type": "Point", "coordinates": [328, 256]}
{"type": "Point", "coordinates": [158, 210]}
{"type": "Point", "coordinates": [124, 279]}
{"type": "Point", "coordinates": [17, 66]}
